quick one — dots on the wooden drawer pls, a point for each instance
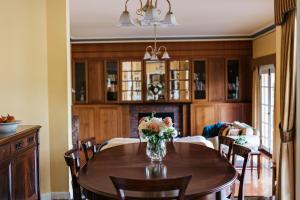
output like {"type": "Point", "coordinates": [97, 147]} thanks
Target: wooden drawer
{"type": "Point", "coordinates": [19, 145]}
{"type": "Point", "coordinates": [5, 152]}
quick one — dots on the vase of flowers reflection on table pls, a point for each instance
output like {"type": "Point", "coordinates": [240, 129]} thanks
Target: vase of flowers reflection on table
{"type": "Point", "coordinates": [157, 132]}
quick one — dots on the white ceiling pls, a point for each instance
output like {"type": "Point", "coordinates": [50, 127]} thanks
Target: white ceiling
{"type": "Point", "coordinates": [98, 19]}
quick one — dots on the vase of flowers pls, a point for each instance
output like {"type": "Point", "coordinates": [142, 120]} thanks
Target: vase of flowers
{"type": "Point", "coordinates": [156, 131]}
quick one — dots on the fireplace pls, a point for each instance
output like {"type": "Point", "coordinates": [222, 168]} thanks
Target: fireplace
{"type": "Point", "coordinates": [161, 111]}
{"type": "Point", "coordinates": [158, 115]}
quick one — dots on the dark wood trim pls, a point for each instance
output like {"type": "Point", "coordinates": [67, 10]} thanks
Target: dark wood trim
{"type": "Point", "coordinates": [265, 60]}
{"type": "Point", "coordinates": [199, 38]}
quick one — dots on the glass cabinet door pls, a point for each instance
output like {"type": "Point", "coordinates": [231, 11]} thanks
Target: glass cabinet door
{"type": "Point", "coordinates": [200, 80]}
{"type": "Point", "coordinates": [179, 80]}
{"type": "Point", "coordinates": [233, 80]}
{"type": "Point", "coordinates": [111, 74]}
{"type": "Point", "coordinates": [131, 75]}
{"type": "Point", "coordinates": [80, 81]}
{"type": "Point", "coordinates": [156, 79]}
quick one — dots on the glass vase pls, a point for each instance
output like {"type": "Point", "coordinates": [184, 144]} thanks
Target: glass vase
{"type": "Point", "coordinates": [156, 151]}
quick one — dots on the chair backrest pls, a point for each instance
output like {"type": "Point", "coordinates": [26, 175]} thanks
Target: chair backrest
{"type": "Point", "coordinates": [244, 152]}
{"type": "Point", "coordinates": [176, 186]}
{"type": "Point", "coordinates": [72, 158]}
{"type": "Point", "coordinates": [89, 147]}
{"type": "Point", "coordinates": [228, 142]}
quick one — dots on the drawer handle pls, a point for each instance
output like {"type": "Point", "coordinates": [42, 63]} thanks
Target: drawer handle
{"type": "Point", "coordinates": [30, 140]}
{"type": "Point", "coordinates": [19, 145]}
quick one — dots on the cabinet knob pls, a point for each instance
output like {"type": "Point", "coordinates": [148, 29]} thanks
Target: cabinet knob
{"type": "Point", "coordinates": [19, 145]}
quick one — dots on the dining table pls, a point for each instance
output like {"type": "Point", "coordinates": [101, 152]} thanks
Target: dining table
{"type": "Point", "coordinates": [211, 172]}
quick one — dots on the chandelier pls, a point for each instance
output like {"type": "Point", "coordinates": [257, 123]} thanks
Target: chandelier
{"type": "Point", "coordinates": [153, 53]}
{"type": "Point", "coordinates": [148, 14]}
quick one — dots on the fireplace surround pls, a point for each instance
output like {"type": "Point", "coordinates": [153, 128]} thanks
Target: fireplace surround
{"type": "Point", "coordinates": [163, 110]}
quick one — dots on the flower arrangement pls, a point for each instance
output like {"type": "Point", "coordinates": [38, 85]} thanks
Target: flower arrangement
{"type": "Point", "coordinates": [156, 131]}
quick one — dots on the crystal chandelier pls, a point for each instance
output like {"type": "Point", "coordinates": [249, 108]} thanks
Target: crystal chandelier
{"type": "Point", "coordinates": [148, 15]}
{"type": "Point", "coordinates": [153, 53]}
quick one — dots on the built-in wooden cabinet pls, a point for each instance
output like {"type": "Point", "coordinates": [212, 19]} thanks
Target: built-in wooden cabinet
{"type": "Point", "coordinates": [131, 81]}
{"type": "Point", "coordinates": [210, 81]}
{"type": "Point", "coordinates": [233, 79]}
{"type": "Point", "coordinates": [156, 87]}
{"type": "Point", "coordinates": [180, 81]}
{"type": "Point", "coordinates": [111, 81]}
{"type": "Point", "coordinates": [200, 81]}
{"type": "Point", "coordinates": [102, 121]}
{"type": "Point", "coordinates": [80, 81]}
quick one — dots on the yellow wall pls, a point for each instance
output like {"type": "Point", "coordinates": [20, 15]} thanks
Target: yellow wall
{"type": "Point", "coordinates": [34, 68]}
{"type": "Point", "coordinates": [59, 101]}
{"type": "Point", "coordinates": [264, 45]}
{"type": "Point", "coordinates": [23, 70]}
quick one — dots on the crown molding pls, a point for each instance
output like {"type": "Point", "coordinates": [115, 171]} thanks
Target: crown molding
{"type": "Point", "coordinates": [176, 39]}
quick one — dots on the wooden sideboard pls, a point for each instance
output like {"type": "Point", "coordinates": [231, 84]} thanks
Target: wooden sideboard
{"type": "Point", "coordinates": [19, 164]}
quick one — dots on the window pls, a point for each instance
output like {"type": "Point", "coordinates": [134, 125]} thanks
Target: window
{"type": "Point", "coordinates": [267, 85]}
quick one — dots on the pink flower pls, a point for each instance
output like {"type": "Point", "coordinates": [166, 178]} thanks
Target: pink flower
{"type": "Point", "coordinates": [168, 121]}
{"type": "Point", "coordinates": [142, 119]}
{"type": "Point", "coordinates": [154, 127]}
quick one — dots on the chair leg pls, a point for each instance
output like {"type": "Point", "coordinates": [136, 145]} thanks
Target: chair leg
{"type": "Point", "coordinates": [258, 166]}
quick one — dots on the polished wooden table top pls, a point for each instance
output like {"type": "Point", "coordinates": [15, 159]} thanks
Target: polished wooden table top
{"type": "Point", "coordinates": [210, 172]}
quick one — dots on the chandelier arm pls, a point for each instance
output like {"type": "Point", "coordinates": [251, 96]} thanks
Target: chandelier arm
{"type": "Point", "coordinates": [162, 47]}
{"type": "Point", "coordinates": [170, 7]}
{"type": "Point", "coordinates": [155, 35]}
{"type": "Point", "coordinates": [149, 47]}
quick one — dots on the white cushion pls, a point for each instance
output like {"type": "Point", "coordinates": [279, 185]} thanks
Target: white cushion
{"type": "Point", "coordinates": [191, 139]}
{"type": "Point", "coordinates": [195, 140]}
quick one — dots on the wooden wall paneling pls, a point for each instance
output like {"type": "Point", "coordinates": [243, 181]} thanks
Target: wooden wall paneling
{"type": "Point", "coordinates": [216, 79]}
{"type": "Point", "coordinates": [125, 121]}
{"type": "Point", "coordinates": [95, 81]}
{"type": "Point", "coordinates": [185, 120]}
{"type": "Point", "coordinates": [86, 116]}
{"type": "Point", "coordinates": [107, 122]}
{"type": "Point", "coordinates": [247, 113]}
{"type": "Point", "coordinates": [229, 112]}
{"type": "Point", "coordinates": [201, 115]}
{"type": "Point", "coordinates": [246, 79]}
{"type": "Point", "coordinates": [176, 49]}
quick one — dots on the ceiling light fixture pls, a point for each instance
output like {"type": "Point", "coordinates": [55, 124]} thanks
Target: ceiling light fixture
{"type": "Point", "coordinates": [153, 53]}
{"type": "Point", "coordinates": [148, 15]}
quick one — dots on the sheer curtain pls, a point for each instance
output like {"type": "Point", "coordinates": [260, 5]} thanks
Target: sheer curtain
{"type": "Point", "coordinates": [285, 16]}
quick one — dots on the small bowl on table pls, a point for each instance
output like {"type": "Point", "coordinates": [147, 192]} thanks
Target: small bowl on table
{"type": "Point", "coordinates": [9, 127]}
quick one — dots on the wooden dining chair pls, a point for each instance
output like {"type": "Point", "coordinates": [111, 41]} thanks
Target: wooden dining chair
{"type": "Point", "coordinates": [228, 142]}
{"type": "Point", "coordinates": [90, 147]}
{"type": "Point", "coordinates": [243, 152]}
{"type": "Point", "coordinates": [148, 188]}
{"type": "Point", "coordinates": [72, 158]}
